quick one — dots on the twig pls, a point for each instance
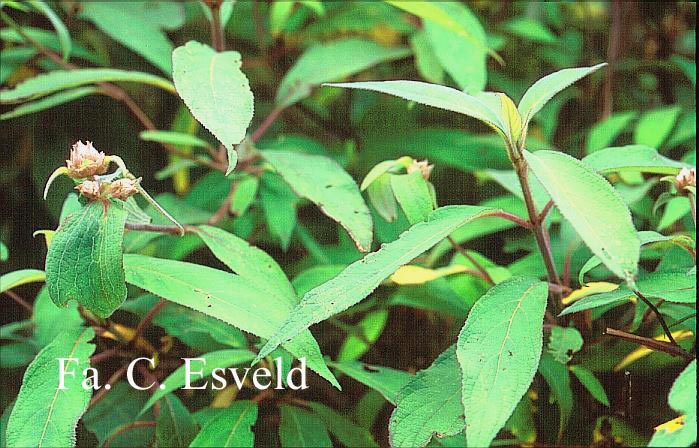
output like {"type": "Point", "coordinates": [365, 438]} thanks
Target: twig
{"type": "Point", "coordinates": [666, 329]}
{"type": "Point", "coordinates": [511, 217]}
{"type": "Point", "coordinates": [112, 379]}
{"type": "Point", "coordinates": [107, 354]}
{"type": "Point", "coordinates": [612, 55]}
{"type": "Point", "coordinates": [266, 123]}
{"type": "Point", "coordinates": [147, 319]}
{"type": "Point", "coordinates": [217, 39]}
{"type": "Point", "coordinates": [653, 344]}
{"type": "Point", "coordinates": [14, 296]}
{"type": "Point", "coordinates": [545, 211]}
{"type": "Point", "coordinates": [225, 206]}
{"type": "Point", "coordinates": [465, 254]}
{"type": "Point", "coordinates": [174, 230]}
{"type": "Point", "coordinates": [127, 427]}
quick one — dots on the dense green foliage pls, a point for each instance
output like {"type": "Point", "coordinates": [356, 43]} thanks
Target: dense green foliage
{"type": "Point", "coordinates": [473, 222]}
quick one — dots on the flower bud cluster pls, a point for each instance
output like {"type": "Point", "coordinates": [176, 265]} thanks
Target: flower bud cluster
{"type": "Point", "coordinates": [86, 164]}
{"type": "Point", "coordinates": [687, 177]}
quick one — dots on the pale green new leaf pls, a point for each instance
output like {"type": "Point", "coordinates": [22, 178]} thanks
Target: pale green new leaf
{"type": "Point", "coordinates": [591, 383]}
{"type": "Point", "coordinates": [84, 261]}
{"type": "Point", "coordinates": [225, 296]}
{"type": "Point", "coordinates": [232, 427]}
{"type": "Point", "coordinates": [323, 181]}
{"type": "Point", "coordinates": [43, 415]}
{"type": "Point", "coordinates": [333, 61]}
{"type": "Point", "coordinates": [683, 399]}
{"type": "Point", "coordinates": [130, 25]}
{"type": "Point", "coordinates": [547, 87]}
{"type": "Point", "coordinates": [216, 91]}
{"type": "Point", "coordinates": [360, 278]}
{"type": "Point", "coordinates": [173, 138]}
{"type": "Point", "coordinates": [174, 426]}
{"type": "Point", "coordinates": [498, 350]}
{"type": "Point", "coordinates": [209, 361]}
{"type": "Point", "coordinates": [386, 381]}
{"type": "Point", "coordinates": [564, 341]}
{"type": "Point", "coordinates": [603, 134]}
{"type": "Point", "coordinates": [434, 95]}
{"type": "Point", "coordinates": [49, 102]}
{"type": "Point", "coordinates": [593, 207]}
{"type": "Point", "coordinates": [61, 30]}
{"type": "Point", "coordinates": [654, 126]}
{"type": "Point", "coordinates": [632, 158]}
{"type": "Point", "coordinates": [299, 428]}
{"type": "Point", "coordinates": [429, 404]}
{"type": "Point", "coordinates": [45, 314]}
{"type": "Point", "coordinates": [413, 194]}
{"type": "Point", "coordinates": [47, 83]}
{"type": "Point", "coordinates": [18, 278]}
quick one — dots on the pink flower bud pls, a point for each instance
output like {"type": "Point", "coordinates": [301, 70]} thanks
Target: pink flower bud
{"type": "Point", "coordinates": [687, 177]}
{"type": "Point", "coordinates": [123, 188]}
{"type": "Point", "coordinates": [423, 167]}
{"type": "Point", "coordinates": [91, 189]}
{"type": "Point", "coordinates": [86, 161]}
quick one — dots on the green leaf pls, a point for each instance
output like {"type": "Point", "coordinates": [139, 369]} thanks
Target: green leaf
{"type": "Point", "coordinates": [174, 425]}
{"type": "Point", "coordinates": [360, 278]}
{"type": "Point", "coordinates": [58, 25]}
{"type": "Point", "coordinates": [632, 158]}
{"type": "Point", "coordinates": [654, 126]}
{"type": "Point", "coordinates": [683, 399]}
{"type": "Point", "coordinates": [434, 95]}
{"type": "Point", "coordinates": [279, 206]}
{"type": "Point", "coordinates": [469, 69]}
{"type": "Point", "coordinates": [173, 138]}
{"type": "Point", "coordinates": [232, 427]}
{"type": "Point", "coordinates": [43, 414]}
{"type": "Point", "coordinates": [84, 261]}
{"type": "Point", "coordinates": [530, 29]}
{"type": "Point", "coordinates": [414, 196]}
{"type": "Point", "coordinates": [222, 295]}
{"type": "Point", "coordinates": [564, 341]}
{"type": "Point", "coordinates": [591, 383]}
{"type": "Point", "coordinates": [603, 133]}
{"type": "Point", "coordinates": [244, 195]}
{"type": "Point", "coordinates": [211, 361]}
{"type": "Point", "coordinates": [593, 207]}
{"type": "Point", "coordinates": [426, 61]}
{"type": "Point", "coordinates": [49, 40]}
{"type": "Point", "coordinates": [687, 66]}
{"type": "Point", "coordinates": [384, 380]}
{"type": "Point", "coordinates": [47, 83]}
{"type": "Point", "coordinates": [345, 430]}
{"type": "Point", "coordinates": [348, 56]}
{"type": "Point", "coordinates": [216, 91]}
{"type": "Point", "coordinates": [22, 277]}
{"type": "Point", "coordinates": [49, 102]}
{"type": "Point", "coordinates": [558, 379]}
{"type": "Point", "coordinates": [501, 341]}
{"type": "Point", "coordinates": [429, 404]}
{"type": "Point", "coordinates": [45, 315]}
{"type": "Point", "coordinates": [300, 428]}
{"type": "Point", "coordinates": [132, 26]}
{"type": "Point", "coordinates": [547, 87]}
{"type": "Point", "coordinates": [324, 182]}
{"type": "Point", "coordinates": [368, 331]}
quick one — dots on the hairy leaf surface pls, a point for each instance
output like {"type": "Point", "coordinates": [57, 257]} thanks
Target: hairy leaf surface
{"type": "Point", "coordinates": [232, 427]}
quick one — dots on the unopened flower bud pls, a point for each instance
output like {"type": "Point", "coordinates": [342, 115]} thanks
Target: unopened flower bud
{"type": "Point", "coordinates": [123, 188]}
{"type": "Point", "coordinates": [91, 189]}
{"type": "Point", "coordinates": [687, 177]}
{"type": "Point", "coordinates": [86, 161]}
{"type": "Point", "coordinates": [423, 167]}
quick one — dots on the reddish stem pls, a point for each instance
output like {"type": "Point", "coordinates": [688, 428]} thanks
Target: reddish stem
{"type": "Point", "coordinates": [266, 123]}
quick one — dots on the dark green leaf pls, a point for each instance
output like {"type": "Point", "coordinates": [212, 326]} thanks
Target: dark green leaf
{"type": "Point", "coordinates": [174, 425]}
{"type": "Point", "coordinates": [232, 427]}
{"type": "Point", "coordinates": [300, 428]}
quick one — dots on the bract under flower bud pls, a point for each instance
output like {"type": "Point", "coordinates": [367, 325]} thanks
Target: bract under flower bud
{"type": "Point", "coordinates": [423, 166]}
{"type": "Point", "coordinates": [687, 177]}
{"type": "Point", "coordinates": [123, 188]}
{"type": "Point", "coordinates": [91, 189]}
{"type": "Point", "coordinates": [86, 161]}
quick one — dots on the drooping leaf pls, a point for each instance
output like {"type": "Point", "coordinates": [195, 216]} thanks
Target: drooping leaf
{"type": "Point", "coordinates": [434, 95]}
{"type": "Point", "coordinates": [278, 203]}
{"type": "Point", "coordinates": [222, 295]}
{"type": "Point", "coordinates": [604, 133]}
{"type": "Point", "coordinates": [173, 138]}
{"type": "Point", "coordinates": [426, 61]}
{"type": "Point", "coordinates": [343, 428]}
{"type": "Point", "coordinates": [544, 89]}
{"type": "Point", "coordinates": [654, 126]}
{"type": "Point", "coordinates": [469, 69]}
{"type": "Point", "coordinates": [429, 404]}
{"type": "Point", "coordinates": [325, 183]}
{"type": "Point", "coordinates": [43, 414]}
{"type": "Point", "coordinates": [632, 158]}
{"type": "Point", "coordinates": [414, 196]}
{"type": "Point", "coordinates": [46, 314]}
{"type": "Point", "coordinates": [498, 351]}
{"type": "Point", "coordinates": [683, 399]}
{"type": "Point", "coordinates": [18, 278]}
{"type": "Point", "coordinates": [216, 91]}
{"type": "Point", "coordinates": [384, 380]}
{"type": "Point", "coordinates": [530, 29]}
{"type": "Point", "coordinates": [84, 261]}
{"type": "Point", "coordinates": [61, 30]}
{"type": "Point", "coordinates": [174, 425]}
{"type": "Point", "coordinates": [593, 207]}
{"type": "Point", "coordinates": [132, 26]}
{"type": "Point", "coordinates": [360, 278]}
{"type": "Point", "coordinates": [591, 383]}
{"type": "Point", "coordinates": [564, 341]}
{"type": "Point", "coordinates": [301, 428]}
{"type": "Point", "coordinates": [369, 329]}
{"type": "Point", "coordinates": [232, 427]}
{"type": "Point", "coordinates": [558, 379]}
{"type": "Point", "coordinates": [349, 56]}
{"type": "Point", "coordinates": [47, 83]}
{"type": "Point", "coordinates": [49, 102]}
{"type": "Point", "coordinates": [208, 362]}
